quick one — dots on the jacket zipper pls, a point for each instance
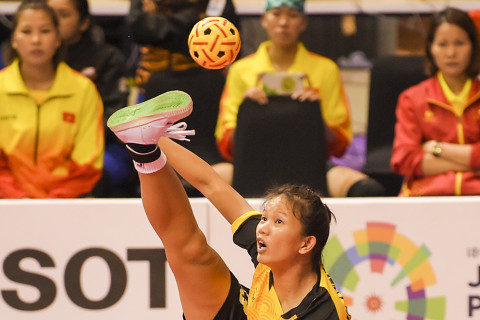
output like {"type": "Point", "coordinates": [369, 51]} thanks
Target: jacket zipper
{"type": "Point", "coordinates": [37, 137]}
{"type": "Point", "coordinates": [461, 139]}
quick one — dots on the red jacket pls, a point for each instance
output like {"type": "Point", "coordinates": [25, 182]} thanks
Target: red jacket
{"type": "Point", "coordinates": [424, 113]}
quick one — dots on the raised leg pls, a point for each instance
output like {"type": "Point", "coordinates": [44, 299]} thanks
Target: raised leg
{"type": "Point", "coordinates": [202, 277]}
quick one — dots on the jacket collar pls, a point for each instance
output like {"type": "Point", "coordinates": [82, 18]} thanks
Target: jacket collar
{"type": "Point", "coordinates": [62, 85]}
{"type": "Point", "coordinates": [437, 97]}
{"type": "Point", "coordinates": [300, 56]}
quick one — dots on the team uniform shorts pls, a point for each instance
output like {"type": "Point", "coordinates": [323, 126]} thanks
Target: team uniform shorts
{"type": "Point", "coordinates": [232, 308]}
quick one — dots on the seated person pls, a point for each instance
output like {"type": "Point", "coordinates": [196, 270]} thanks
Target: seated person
{"type": "Point", "coordinates": [87, 52]}
{"type": "Point", "coordinates": [52, 135]}
{"type": "Point", "coordinates": [437, 134]}
{"type": "Point", "coordinates": [284, 22]}
{"type": "Point", "coordinates": [161, 28]}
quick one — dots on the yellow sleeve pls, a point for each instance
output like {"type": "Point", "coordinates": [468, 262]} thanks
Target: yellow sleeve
{"type": "Point", "coordinates": [231, 99]}
{"type": "Point", "coordinates": [244, 217]}
{"type": "Point", "coordinates": [86, 163]}
{"type": "Point", "coordinates": [90, 141]}
{"type": "Point", "coordinates": [336, 110]}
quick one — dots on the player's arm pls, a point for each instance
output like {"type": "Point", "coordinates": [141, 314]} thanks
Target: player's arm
{"type": "Point", "coordinates": [199, 173]}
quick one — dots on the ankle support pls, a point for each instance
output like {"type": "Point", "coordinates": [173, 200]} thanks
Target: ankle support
{"type": "Point", "coordinates": [143, 153]}
{"type": "Point", "coordinates": [146, 158]}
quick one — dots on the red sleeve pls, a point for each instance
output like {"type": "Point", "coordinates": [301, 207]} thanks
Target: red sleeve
{"type": "Point", "coordinates": [407, 145]}
{"type": "Point", "coordinates": [9, 189]}
{"type": "Point", "coordinates": [79, 182]}
{"type": "Point", "coordinates": [475, 156]}
{"type": "Point", "coordinates": [339, 145]}
{"type": "Point", "coordinates": [225, 144]}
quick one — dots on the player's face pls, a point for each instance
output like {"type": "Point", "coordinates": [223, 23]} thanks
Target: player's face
{"type": "Point", "coordinates": [451, 50]}
{"type": "Point", "coordinates": [279, 235]}
{"type": "Point", "coordinates": [35, 37]}
{"type": "Point", "coordinates": [71, 25]}
{"type": "Point", "coordinates": [284, 25]}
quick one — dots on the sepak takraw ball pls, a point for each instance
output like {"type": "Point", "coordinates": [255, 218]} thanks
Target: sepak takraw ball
{"type": "Point", "coordinates": [214, 42]}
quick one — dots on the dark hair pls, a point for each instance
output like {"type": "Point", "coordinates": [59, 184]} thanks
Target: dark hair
{"type": "Point", "coordinates": [461, 19]}
{"type": "Point", "coordinates": [309, 209]}
{"type": "Point", "coordinates": [11, 53]}
{"type": "Point", "coordinates": [94, 32]}
{"type": "Point", "coordinates": [82, 8]}
{"type": "Point", "coordinates": [84, 13]}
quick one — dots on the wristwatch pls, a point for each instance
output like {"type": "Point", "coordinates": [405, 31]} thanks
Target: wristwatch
{"type": "Point", "coordinates": [437, 149]}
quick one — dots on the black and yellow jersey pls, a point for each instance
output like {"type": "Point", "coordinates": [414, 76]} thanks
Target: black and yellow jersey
{"type": "Point", "coordinates": [323, 302]}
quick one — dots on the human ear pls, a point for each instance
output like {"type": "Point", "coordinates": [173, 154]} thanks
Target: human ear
{"type": "Point", "coordinates": [304, 24]}
{"type": "Point", "coordinates": [263, 22]}
{"type": "Point", "coordinates": [59, 42]}
{"type": "Point", "coordinates": [85, 24]}
{"type": "Point", "coordinates": [13, 41]}
{"type": "Point", "coordinates": [308, 244]}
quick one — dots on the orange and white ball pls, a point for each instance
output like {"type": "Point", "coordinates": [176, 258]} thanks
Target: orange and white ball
{"type": "Point", "coordinates": [214, 42]}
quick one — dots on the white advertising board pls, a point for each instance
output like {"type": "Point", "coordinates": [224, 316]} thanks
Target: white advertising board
{"type": "Point", "coordinates": [408, 259]}
{"type": "Point", "coordinates": [100, 259]}
{"type": "Point", "coordinates": [84, 259]}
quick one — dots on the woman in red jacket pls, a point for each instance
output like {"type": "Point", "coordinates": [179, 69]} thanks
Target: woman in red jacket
{"type": "Point", "coordinates": [437, 135]}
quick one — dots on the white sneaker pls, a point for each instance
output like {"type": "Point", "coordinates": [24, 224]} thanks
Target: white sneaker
{"type": "Point", "coordinates": [146, 122]}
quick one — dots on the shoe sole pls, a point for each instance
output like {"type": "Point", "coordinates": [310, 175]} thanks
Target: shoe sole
{"type": "Point", "coordinates": [173, 105]}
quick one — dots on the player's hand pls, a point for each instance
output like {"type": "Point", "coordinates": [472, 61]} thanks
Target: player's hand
{"type": "Point", "coordinates": [307, 94]}
{"type": "Point", "coordinates": [257, 94]}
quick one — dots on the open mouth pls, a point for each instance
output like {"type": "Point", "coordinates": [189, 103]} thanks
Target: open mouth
{"type": "Point", "coordinates": [261, 245]}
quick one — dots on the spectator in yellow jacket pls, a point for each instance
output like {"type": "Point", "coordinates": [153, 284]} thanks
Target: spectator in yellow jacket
{"type": "Point", "coordinates": [284, 22]}
{"type": "Point", "coordinates": [51, 117]}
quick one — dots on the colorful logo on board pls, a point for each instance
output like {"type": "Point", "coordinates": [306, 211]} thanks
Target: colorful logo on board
{"type": "Point", "coordinates": [383, 273]}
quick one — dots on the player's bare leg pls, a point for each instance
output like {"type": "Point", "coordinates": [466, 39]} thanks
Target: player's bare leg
{"type": "Point", "coordinates": [203, 279]}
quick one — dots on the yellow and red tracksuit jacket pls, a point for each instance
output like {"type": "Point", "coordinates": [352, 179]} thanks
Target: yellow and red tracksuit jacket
{"type": "Point", "coordinates": [53, 149]}
{"type": "Point", "coordinates": [323, 75]}
{"type": "Point", "coordinates": [423, 114]}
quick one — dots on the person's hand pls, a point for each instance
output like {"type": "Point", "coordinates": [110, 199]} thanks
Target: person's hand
{"type": "Point", "coordinates": [307, 94]}
{"type": "Point", "coordinates": [149, 6]}
{"type": "Point", "coordinates": [257, 94]}
{"type": "Point", "coordinates": [90, 72]}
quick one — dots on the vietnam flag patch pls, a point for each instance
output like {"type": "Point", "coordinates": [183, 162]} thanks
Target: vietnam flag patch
{"type": "Point", "coordinates": [69, 117]}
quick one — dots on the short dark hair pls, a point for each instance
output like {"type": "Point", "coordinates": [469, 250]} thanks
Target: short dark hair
{"type": "Point", "coordinates": [461, 19]}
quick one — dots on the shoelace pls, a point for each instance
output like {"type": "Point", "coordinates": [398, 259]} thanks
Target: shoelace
{"type": "Point", "coordinates": [178, 132]}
